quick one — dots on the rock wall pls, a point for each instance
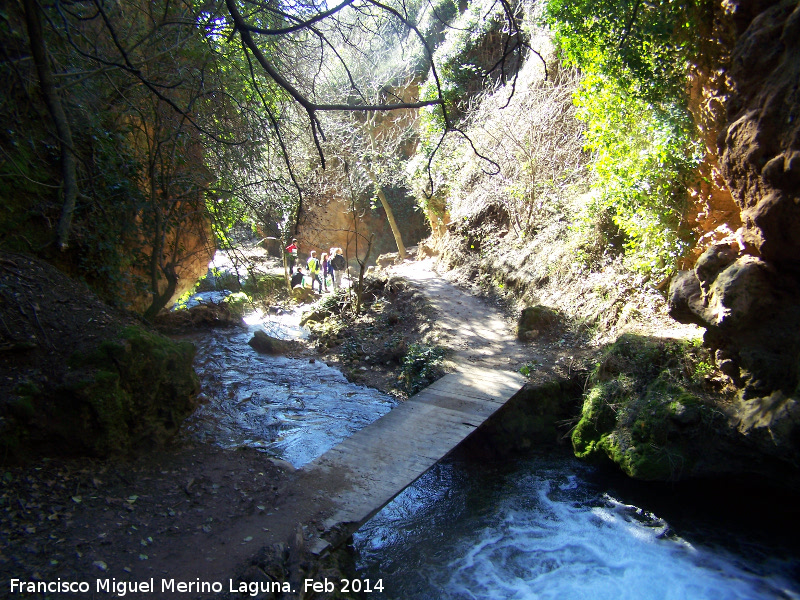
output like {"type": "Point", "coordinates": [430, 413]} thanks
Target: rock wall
{"type": "Point", "coordinates": [713, 214]}
{"type": "Point", "coordinates": [327, 222]}
{"type": "Point", "coordinates": [746, 290]}
{"type": "Point", "coordinates": [760, 153]}
{"type": "Point", "coordinates": [189, 246]}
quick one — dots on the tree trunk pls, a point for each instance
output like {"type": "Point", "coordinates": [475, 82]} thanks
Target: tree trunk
{"type": "Point", "coordinates": [56, 110]}
{"type": "Point", "coordinates": [401, 249]}
{"type": "Point", "coordinates": [160, 300]}
{"type": "Point", "coordinates": [362, 268]}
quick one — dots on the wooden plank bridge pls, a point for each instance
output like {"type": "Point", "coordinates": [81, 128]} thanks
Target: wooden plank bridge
{"type": "Point", "coordinates": [367, 470]}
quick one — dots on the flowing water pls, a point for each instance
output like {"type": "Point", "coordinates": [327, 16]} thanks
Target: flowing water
{"type": "Point", "coordinates": [549, 527]}
{"type": "Point", "coordinates": [546, 527]}
{"type": "Point", "coordinates": [292, 409]}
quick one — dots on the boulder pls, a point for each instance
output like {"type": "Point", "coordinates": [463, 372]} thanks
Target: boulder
{"type": "Point", "coordinates": [304, 295]}
{"type": "Point", "coordinates": [267, 344]}
{"type": "Point", "coordinates": [534, 320]}
{"type": "Point", "coordinates": [388, 259]}
{"type": "Point", "coordinates": [751, 316]}
{"type": "Point", "coordinates": [646, 408]}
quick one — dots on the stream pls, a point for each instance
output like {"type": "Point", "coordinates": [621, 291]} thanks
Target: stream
{"type": "Point", "coordinates": [292, 409]}
{"type": "Point", "coordinates": [541, 527]}
{"type": "Point", "coordinates": [549, 527]}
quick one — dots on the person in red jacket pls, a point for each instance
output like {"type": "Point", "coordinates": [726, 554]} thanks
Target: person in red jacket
{"type": "Point", "coordinates": [291, 255]}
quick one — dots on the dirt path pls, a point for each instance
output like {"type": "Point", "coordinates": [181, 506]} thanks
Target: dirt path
{"type": "Point", "coordinates": [481, 334]}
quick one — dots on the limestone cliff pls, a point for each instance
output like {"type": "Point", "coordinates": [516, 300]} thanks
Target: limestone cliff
{"type": "Point", "coordinates": [744, 290]}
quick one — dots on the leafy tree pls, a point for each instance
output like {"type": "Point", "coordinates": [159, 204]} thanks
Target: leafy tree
{"type": "Point", "coordinates": [160, 116]}
{"type": "Point", "coordinates": [635, 57]}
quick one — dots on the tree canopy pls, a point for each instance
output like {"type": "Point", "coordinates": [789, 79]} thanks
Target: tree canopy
{"type": "Point", "coordinates": [134, 123]}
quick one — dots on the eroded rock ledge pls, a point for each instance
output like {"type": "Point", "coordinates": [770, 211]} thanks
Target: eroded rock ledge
{"type": "Point", "coordinates": [746, 293]}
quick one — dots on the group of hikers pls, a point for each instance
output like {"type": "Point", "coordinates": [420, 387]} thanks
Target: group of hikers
{"type": "Point", "coordinates": [327, 270]}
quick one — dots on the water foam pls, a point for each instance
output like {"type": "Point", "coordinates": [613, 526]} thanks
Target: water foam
{"type": "Point", "coordinates": [546, 535]}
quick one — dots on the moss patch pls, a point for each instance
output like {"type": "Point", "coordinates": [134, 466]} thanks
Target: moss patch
{"type": "Point", "coordinates": [644, 408]}
{"type": "Point", "coordinates": [137, 387]}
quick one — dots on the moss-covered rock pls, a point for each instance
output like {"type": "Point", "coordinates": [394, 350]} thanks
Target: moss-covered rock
{"type": "Point", "coordinates": [315, 315]}
{"type": "Point", "coordinates": [328, 332]}
{"type": "Point", "coordinates": [646, 411]}
{"type": "Point", "coordinates": [136, 388]}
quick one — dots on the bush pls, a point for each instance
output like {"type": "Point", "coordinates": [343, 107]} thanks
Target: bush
{"type": "Point", "coordinates": [421, 366]}
{"type": "Point", "coordinates": [644, 156]}
{"type": "Point", "coordinates": [634, 61]}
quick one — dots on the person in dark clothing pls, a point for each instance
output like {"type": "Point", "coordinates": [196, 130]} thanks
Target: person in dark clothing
{"type": "Point", "coordinates": [338, 264]}
{"type": "Point", "coordinates": [326, 270]}
{"type": "Point", "coordinates": [297, 278]}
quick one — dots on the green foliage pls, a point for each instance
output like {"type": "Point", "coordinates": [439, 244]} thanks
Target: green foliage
{"type": "Point", "coordinates": [462, 62]}
{"type": "Point", "coordinates": [644, 156]}
{"type": "Point", "coordinates": [260, 286]}
{"type": "Point", "coordinates": [421, 366]}
{"type": "Point", "coordinates": [184, 139]}
{"type": "Point", "coordinates": [635, 57]}
{"type": "Point", "coordinates": [645, 46]}
{"type": "Point", "coordinates": [644, 407]}
{"type": "Point", "coordinates": [335, 302]}
{"type": "Point", "coordinates": [239, 302]}
{"type": "Point", "coordinates": [528, 368]}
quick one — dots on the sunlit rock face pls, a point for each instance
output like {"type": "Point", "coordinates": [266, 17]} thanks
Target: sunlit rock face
{"type": "Point", "coordinates": [712, 213]}
{"type": "Point", "coordinates": [761, 146]}
{"type": "Point", "coordinates": [746, 290]}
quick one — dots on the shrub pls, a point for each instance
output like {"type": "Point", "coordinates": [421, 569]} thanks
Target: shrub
{"type": "Point", "coordinates": [421, 366]}
{"type": "Point", "coordinates": [635, 62]}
